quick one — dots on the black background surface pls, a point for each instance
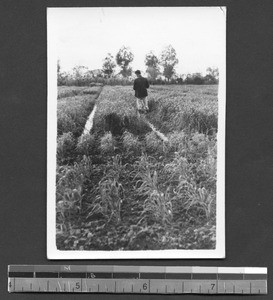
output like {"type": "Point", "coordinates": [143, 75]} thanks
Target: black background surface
{"type": "Point", "coordinates": [249, 140]}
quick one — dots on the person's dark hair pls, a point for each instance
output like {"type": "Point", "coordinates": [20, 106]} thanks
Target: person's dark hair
{"type": "Point", "coordinates": [137, 72]}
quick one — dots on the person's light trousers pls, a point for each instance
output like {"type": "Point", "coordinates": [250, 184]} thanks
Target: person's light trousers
{"type": "Point", "coordinates": [142, 103]}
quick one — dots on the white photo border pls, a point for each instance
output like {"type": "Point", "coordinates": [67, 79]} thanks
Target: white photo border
{"type": "Point", "coordinates": [52, 251]}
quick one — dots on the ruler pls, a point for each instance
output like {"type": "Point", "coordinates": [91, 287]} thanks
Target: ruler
{"type": "Point", "coordinates": [136, 279]}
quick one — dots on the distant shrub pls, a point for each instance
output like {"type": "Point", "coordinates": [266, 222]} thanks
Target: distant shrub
{"type": "Point", "coordinates": [118, 81]}
{"type": "Point", "coordinates": [195, 78]}
{"type": "Point", "coordinates": [160, 81]}
{"type": "Point", "coordinates": [210, 80]}
{"type": "Point", "coordinates": [107, 144]}
{"type": "Point", "coordinates": [65, 146]}
{"type": "Point", "coordinates": [96, 83]}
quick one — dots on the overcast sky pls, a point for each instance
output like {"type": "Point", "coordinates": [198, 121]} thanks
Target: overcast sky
{"type": "Point", "coordinates": [84, 36]}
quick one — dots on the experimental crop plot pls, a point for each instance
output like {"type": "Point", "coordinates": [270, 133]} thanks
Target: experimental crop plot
{"type": "Point", "coordinates": [121, 186]}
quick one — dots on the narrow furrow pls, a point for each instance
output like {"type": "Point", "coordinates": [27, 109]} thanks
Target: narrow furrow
{"type": "Point", "coordinates": [89, 123]}
{"type": "Point", "coordinates": [158, 133]}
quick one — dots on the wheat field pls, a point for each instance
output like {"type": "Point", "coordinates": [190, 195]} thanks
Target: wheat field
{"type": "Point", "coordinates": [121, 187]}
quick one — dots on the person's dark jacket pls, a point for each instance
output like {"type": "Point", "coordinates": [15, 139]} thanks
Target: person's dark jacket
{"type": "Point", "coordinates": [140, 86]}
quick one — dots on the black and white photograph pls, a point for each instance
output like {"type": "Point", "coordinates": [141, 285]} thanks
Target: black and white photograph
{"type": "Point", "coordinates": [136, 132]}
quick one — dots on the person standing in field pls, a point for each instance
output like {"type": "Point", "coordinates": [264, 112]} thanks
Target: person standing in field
{"type": "Point", "coordinates": [140, 86]}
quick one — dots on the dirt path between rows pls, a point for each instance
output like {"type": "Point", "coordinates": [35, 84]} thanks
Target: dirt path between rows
{"type": "Point", "coordinates": [89, 123]}
{"type": "Point", "coordinates": [158, 133]}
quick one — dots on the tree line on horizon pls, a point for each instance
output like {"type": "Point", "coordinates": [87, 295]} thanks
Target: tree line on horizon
{"type": "Point", "coordinates": [159, 70]}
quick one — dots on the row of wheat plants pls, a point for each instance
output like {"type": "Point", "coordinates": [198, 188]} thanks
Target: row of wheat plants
{"type": "Point", "coordinates": [191, 108]}
{"type": "Point", "coordinates": [72, 113]}
{"type": "Point", "coordinates": [73, 162]}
